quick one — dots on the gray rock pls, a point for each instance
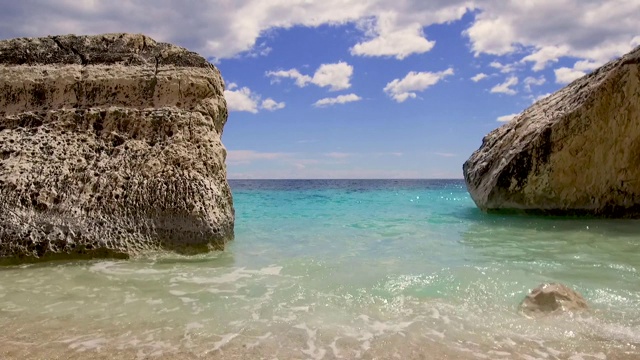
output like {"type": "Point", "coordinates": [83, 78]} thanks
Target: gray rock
{"type": "Point", "coordinates": [552, 298]}
{"type": "Point", "coordinates": [574, 152]}
{"type": "Point", "coordinates": [110, 147]}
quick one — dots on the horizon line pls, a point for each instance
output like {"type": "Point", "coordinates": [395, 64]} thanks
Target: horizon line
{"type": "Point", "coordinates": [345, 178]}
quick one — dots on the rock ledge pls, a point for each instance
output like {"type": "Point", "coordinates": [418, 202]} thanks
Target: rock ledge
{"type": "Point", "coordinates": [576, 152]}
{"type": "Point", "coordinates": [110, 147]}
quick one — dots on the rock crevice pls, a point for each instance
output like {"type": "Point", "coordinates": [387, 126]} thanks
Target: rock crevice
{"type": "Point", "coordinates": [574, 152]}
{"type": "Point", "coordinates": [110, 145]}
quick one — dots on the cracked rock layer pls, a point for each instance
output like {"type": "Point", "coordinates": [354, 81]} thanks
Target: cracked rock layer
{"type": "Point", "coordinates": [576, 152]}
{"type": "Point", "coordinates": [110, 146]}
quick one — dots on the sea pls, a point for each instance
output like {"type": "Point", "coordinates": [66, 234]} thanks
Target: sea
{"type": "Point", "coordinates": [341, 269]}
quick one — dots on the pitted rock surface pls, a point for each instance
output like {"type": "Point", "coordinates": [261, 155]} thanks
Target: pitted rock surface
{"type": "Point", "coordinates": [575, 152]}
{"type": "Point", "coordinates": [110, 146]}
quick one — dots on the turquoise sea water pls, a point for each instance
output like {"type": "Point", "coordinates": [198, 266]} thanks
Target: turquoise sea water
{"type": "Point", "coordinates": [326, 269]}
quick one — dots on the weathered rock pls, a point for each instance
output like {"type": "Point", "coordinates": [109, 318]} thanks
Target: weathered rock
{"type": "Point", "coordinates": [110, 146]}
{"type": "Point", "coordinates": [552, 298]}
{"type": "Point", "coordinates": [574, 152]}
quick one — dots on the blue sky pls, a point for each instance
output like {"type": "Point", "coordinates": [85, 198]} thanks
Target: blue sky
{"type": "Point", "coordinates": [354, 89]}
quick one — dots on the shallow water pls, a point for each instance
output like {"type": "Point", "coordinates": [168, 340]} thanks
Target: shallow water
{"type": "Point", "coordinates": [405, 269]}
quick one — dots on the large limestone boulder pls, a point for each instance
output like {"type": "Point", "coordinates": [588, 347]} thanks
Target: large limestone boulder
{"type": "Point", "coordinates": [574, 152]}
{"type": "Point", "coordinates": [110, 146]}
{"type": "Point", "coordinates": [552, 298]}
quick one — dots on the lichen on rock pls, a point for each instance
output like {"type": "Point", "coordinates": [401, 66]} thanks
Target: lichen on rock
{"type": "Point", "coordinates": [575, 152]}
{"type": "Point", "coordinates": [110, 146]}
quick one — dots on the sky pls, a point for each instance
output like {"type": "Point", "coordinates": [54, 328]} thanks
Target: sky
{"type": "Point", "coordinates": [362, 89]}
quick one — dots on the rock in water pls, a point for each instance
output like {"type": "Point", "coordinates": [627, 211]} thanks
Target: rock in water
{"type": "Point", "coordinates": [110, 146]}
{"type": "Point", "coordinates": [552, 298]}
{"type": "Point", "coordinates": [574, 152]}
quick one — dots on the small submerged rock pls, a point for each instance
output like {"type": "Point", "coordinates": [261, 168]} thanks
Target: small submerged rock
{"type": "Point", "coordinates": [552, 298]}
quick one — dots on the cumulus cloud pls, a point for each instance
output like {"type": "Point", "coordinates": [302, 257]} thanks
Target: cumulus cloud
{"type": "Point", "coordinates": [300, 80]}
{"type": "Point", "coordinates": [533, 81]}
{"type": "Point", "coordinates": [403, 89]}
{"type": "Point", "coordinates": [542, 31]}
{"type": "Point", "coordinates": [334, 76]}
{"type": "Point", "coordinates": [395, 28]}
{"type": "Point", "coordinates": [565, 75]}
{"type": "Point", "coordinates": [224, 29]}
{"type": "Point", "coordinates": [400, 43]}
{"type": "Point", "coordinates": [272, 105]}
{"type": "Point", "coordinates": [479, 77]}
{"type": "Point", "coordinates": [506, 87]}
{"type": "Point", "coordinates": [243, 99]}
{"type": "Point", "coordinates": [586, 65]}
{"type": "Point", "coordinates": [490, 35]}
{"type": "Point", "coordinates": [503, 68]}
{"type": "Point", "coordinates": [341, 99]}
{"type": "Point", "coordinates": [545, 55]}
{"type": "Point", "coordinates": [507, 118]}
{"type": "Point", "coordinates": [548, 30]}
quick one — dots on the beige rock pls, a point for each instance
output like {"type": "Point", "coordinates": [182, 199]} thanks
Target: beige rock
{"type": "Point", "coordinates": [110, 146]}
{"type": "Point", "coordinates": [574, 152]}
{"type": "Point", "coordinates": [552, 298]}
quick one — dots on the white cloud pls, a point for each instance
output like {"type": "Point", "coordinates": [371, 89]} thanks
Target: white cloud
{"type": "Point", "coordinates": [243, 99]}
{"type": "Point", "coordinates": [565, 75]}
{"type": "Point", "coordinates": [403, 89]}
{"type": "Point", "coordinates": [301, 80]}
{"type": "Point", "coordinates": [259, 50]}
{"type": "Point", "coordinates": [542, 30]}
{"type": "Point", "coordinates": [335, 76]}
{"type": "Point", "coordinates": [400, 44]}
{"type": "Point", "coordinates": [224, 29]}
{"type": "Point", "coordinates": [341, 99]}
{"type": "Point", "coordinates": [507, 118]}
{"type": "Point", "coordinates": [505, 87]}
{"type": "Point", "coordinates": [545, 55]}
{"type": "Point", "coordinates": [479, 77]}
{"type": "Point", "coordinates": [550, 29]}
{"type": "Point", "coordinates": [532, 81]}
{"type": "Point", "coordinates": [586, 65]}
{"type": "Point", "coordinates": [490, 35]}
{"type": "Point", "coordinates": [272, 105]}
{"type": "Point", "coordinates": [395, 28]}
{"type": "Point", "coordinates": [503, 68]}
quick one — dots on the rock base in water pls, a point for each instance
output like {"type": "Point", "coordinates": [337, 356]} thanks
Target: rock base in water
{"type": "Point", "coordinates": [576, 152]}
{"type": "Point", "coordinates": [110, 146]}
{"type": "Point", "coordinates": [552, 298]}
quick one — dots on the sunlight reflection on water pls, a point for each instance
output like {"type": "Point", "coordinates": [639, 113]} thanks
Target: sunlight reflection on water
{"type": "Point", "coordinates": [341, 270]}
